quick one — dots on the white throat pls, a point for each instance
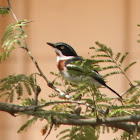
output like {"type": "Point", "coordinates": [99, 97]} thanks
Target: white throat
{"type": "Point", "coordinates": [61, 56]}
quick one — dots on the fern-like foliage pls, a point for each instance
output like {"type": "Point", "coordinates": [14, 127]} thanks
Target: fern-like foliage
{"type": "Point", "coordinates": [13, 37]}
{"type": "Point", "coordinates": [126, 136]}
{"type": "Point", "coordinates": [15, 84]}
{"type": "Point", "coordinates": [79, 133]}
{"type": "Point", "coordinates": [27, 124]}
{"type": "Point", "coordinates": [105, 54]}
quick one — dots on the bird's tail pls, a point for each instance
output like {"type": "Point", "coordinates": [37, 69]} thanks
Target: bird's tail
{"type": "Point", "coordinates": [114, 91]}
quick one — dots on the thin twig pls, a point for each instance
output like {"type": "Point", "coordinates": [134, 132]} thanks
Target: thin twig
{"type": "Point", "coordinates": [136, 131]}
{"type": "Point", "coordinates": [9, 6]}
{"type": "Point", "coordinates": [131, 88]}
{"type": "Point", "coordinates": [50, 84]}
{"type": "Point", "coordinates": [49, 131]}
{"type": "Point", "coordinates": [122, 71]}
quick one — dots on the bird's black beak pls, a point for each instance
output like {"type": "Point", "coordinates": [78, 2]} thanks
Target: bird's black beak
{"type": "Point", "coordinates": [51, 44]}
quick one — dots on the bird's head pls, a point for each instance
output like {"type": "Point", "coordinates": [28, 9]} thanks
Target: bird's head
{"type": "Point", "coordinates": [63, 51]}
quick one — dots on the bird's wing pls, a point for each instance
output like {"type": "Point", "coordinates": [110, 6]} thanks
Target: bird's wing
{"type": "Point", "coordinates": [74, 60]}
{"type": "Point", "coordinates": [94, 74]}
{"type": "Point", "coordinates": [75, 70]}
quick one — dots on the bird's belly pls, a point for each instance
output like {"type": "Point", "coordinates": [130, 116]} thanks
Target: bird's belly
{"type": "Point", "coordinates": [79, 79]}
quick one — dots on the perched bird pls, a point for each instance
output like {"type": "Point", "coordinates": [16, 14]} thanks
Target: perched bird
{"type": "Point", "coordinates": [65, 56]}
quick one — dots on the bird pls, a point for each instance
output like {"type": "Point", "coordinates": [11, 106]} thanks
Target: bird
{"type": "Point", "coordinates": [66, 55]}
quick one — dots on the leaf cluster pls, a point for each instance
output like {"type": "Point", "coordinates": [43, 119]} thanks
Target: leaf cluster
{"type": "Point", "coordinates": [15, 84]}
{"type": "Point", "coordinates": [13, 37]}
{"type": "Point", "coordinates": [115, 61]}
{"type": "Point", "coordinates": [78, 133]}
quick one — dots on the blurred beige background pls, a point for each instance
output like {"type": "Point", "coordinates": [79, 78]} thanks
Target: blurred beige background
{"type": "Point", "coordinates": [79, 23]}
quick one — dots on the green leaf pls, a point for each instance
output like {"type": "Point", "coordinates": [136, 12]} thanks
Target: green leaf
{"type": "Point", "coordinates": [11, 96]}
{"type": "Point", "coordinates": [117, 56]}
{"type": "Point", "coordinates": [13, 32]}
{"type": "Point", "coordinates": [4, 11]}
{"type": "Point", "coordinates": [105, 60]}
{"type": "Point", "coordinates": [92, 48]}
{"type": "Point", "coordinates": [130, 65]}
{"type": "Point", "coordinates": [109, 67]}
{"type": "Point", "coordinates": [19, 89]}
{"type": "Point", "coordinates": [119, 111]}
{"type": "Point", "coordinates": [110, 51]}
{"type": "Point", "coordinates": [104, 49]}
{"type": "Point", "coordinates": [138, 82]}
{"type": "Point", "coordinates": [99, 55]}
{"type": "Point", "coordinates": [135, 97]}
{"type": "Point", "coordinates": [62, 132]}
{"type": "Point", "coordinates": [112, 73]}
{"type": "Point", "coordinates": [123, 57]}
{"type": "Point", "coordinates": [28, 88]}
{"type": "Point", "coordinates": [13, 37]}
{"type": "Point", "coordinates": [27, 102]}
{"type": "Point", "coordinates": [65, 132]}
{"type": "Point", "coordinates": [27, 124]}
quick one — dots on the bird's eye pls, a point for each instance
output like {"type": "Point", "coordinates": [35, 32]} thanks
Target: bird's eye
{"type": "Point", "coordinates": [62, 47]}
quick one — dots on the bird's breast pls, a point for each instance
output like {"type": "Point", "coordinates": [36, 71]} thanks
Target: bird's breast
{"type": "Point", "coordinates": [61, 65]}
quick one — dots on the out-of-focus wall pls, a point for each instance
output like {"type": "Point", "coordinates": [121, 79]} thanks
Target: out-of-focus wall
{"type": "Point", "coordinates": [79, 23]}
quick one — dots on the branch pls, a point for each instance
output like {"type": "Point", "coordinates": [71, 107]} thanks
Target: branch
{"type": "Point", "coordinates": [75, 102]}
{"type": "Point", "coordinates": [117, 122]}
{"type": "Point", "coordinates": [130, 89]}
{"type": "Point", "coordinates": [73, 119]}
{"type": "Point", "coordinates": [12, 109]}
{"type": "Point", "coordinates": [9, 7]}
